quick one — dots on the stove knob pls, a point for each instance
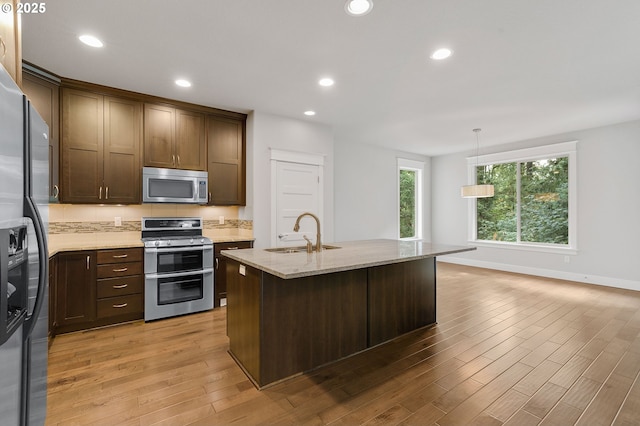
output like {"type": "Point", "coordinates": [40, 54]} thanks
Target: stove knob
{"type": "Point", "coordinates": [202, 240]}
{"type": "Point", "coordinates": [169, 242]}
{"type": "Point", "coordinates": [157, 243]}
{"type": "Point", "coordinates": [191, 241]}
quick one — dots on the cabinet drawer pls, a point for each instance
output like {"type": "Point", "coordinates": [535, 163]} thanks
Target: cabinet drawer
{"type": "Point", "coordinates": [235, 245]}
{"type": "Point", "coordinates": [113, 287]}
{"type": "Point", "coordinates": [114, 306]}
{"type": "Point", "coordinates": [119, 269]}
{"type": "Point", "coordinates": [120, 255]}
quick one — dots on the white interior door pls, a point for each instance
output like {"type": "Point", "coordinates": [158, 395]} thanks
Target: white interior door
{"type": "Point", "coordinates": [298, 189]}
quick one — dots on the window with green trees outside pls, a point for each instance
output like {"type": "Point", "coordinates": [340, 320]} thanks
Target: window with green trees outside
{"type": "Point", "coordinates": [410, 175]}
{"type": "Point", "coordinates": [407, 203]}
{"type": "Point", "coordinates": [531, 202]}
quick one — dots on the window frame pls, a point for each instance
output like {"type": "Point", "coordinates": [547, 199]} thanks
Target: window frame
{"type": "Point", "coordinates": [418, 167]}
{"type": "Point", "coordinates": [564, 149]}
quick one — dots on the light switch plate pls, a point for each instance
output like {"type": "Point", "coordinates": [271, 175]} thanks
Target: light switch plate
{"type": "Point", "coordinates": [118, 221]}
{"type": "Point", "coordinates": [243, 270]}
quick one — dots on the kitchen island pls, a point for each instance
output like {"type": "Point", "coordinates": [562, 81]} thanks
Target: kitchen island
{"type": "Point", "coordinates": [291, 312]}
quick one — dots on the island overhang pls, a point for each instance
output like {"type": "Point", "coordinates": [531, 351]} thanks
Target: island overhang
{"type": "Point", "coordinates": [350, 255]}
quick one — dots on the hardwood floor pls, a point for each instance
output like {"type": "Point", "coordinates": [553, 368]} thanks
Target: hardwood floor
{"type": "Point", "coordinates": [508, 349]}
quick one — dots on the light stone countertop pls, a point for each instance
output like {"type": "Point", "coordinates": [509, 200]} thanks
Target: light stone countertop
{"type": "Point", "coordinates": [350, 255]}
{"type": "Point", "coordinates": [107, 240]}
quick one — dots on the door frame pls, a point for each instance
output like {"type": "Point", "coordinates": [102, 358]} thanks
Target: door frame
{"type": "Point", "coordinates": [284, 156]}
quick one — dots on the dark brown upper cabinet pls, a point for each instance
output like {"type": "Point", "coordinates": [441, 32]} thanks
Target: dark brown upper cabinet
{"type": "Point", "coordinates": [174, 138]}
{"type": "Point", "coordinates": [226, 148]}
{"type": "Point", "coordinates": [101, 142]}
{"type": "Point", "coordinates": [43, 91]}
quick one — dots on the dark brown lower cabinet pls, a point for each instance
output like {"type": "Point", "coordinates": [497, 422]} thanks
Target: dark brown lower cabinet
{"type": "Point", "coordinates": [53, 279]}
{"type": "Point", "coordinates": [278, 328]}
{"type": "Point", "coordinates": [96, 288]}
{"type": "Point", "coordinates": [76, 290]}
{"type": "Point", "coordinates": [120, 285]}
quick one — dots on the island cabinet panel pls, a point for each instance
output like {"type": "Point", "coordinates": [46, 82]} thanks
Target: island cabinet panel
{"type": "Point", "coordinates": [402, 298]}
{"type": "Point", "coordinates": [220, 269]}
{"type": "Point", "coordinates": [311, 321]}
{"type": "Point", "coordinates": [278, 328]}
{"type": "Point", "coordinates": [243, 320]}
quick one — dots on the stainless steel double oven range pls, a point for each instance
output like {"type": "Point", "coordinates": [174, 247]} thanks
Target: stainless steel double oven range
{"type": "Point", "coordinates": [178, 267]}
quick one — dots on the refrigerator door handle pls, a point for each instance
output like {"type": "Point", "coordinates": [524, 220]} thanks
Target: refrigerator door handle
{"type": "Point", "coordinates": [43, 266]}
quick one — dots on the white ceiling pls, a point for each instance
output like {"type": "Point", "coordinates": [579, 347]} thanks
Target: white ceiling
{"type": "Point", "coordinates": [520, 69]}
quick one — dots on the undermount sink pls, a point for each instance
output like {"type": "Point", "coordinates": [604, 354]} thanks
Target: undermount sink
{"type": "Point", "coordinates": [297, 249]}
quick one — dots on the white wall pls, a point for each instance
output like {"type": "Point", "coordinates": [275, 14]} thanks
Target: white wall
{"type": "Point", "coordinates": [366, 192]}
{"type": "Point", "coordinates": [608, 210]}
{"type": "Point", "coordinates": [266, 131]}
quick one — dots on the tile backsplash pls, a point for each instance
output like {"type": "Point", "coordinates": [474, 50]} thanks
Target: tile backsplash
{"type": "Point", "coordinates": [86, 218]}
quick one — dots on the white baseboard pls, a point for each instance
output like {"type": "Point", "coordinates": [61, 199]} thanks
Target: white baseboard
{"type": "Point", "coordinates": [548, 273]}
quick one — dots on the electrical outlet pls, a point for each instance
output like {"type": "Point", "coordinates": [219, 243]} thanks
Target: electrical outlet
{"type": "Point", "coordinates": [221, 220]}
{"type": "Point", "coordinates": [118, 221]}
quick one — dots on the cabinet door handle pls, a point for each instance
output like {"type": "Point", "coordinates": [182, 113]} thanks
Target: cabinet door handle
{"type": "Point", "coordinates": [120, 286]}
{"type": "Point", "coordinates": [120, 256]}
{"type": "Point", "coordinates": [122, 305]}
{"type": "Point", "coordinates": [88, 262]}
{"type": "Point", "coordinates": [173, 159]}
{"type": "Point", "coordinates": [106, 193]}
{"type": "Point", "coordinates": [4, 48]}
{"type": "Point", "coordinates": [56, 191]}
{"type": "Point", "coordinates": [232, 248]}
{"type": "Point", "coordinates": [100, 194]}
{"type": "Point", "coordinates": [120, 270]}
{"type": "Point", "coordinates": [178, 157]}
{"type": "Point", "coordinates": [209, 197]}
{"type": "Point", "coordinates": [217, 263]}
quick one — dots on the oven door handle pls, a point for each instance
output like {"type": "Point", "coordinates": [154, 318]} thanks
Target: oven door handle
{"type": "Point", "coordinates": [179, 274]}
{"type": "Point", "coordinates": [178, 249]}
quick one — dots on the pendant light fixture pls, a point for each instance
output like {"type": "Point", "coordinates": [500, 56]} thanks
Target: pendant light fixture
{"type": "Point", "coordinates": [477, 191]}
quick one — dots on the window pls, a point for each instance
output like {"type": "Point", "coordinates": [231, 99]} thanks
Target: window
{"type": "Point", "coordinates": [410, 198]}
{"type": "Point", "coordinates": [534, 202]}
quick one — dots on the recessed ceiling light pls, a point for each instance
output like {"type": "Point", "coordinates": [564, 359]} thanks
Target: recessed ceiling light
{"type": "Point", "coordinates": [326, 82]}
{"type": "Point", "coordinates": [443, 53]}
{"type": "Point", "coordinates": [183, 83]}
{"type": "Point", "coordinates": [309, 113]}
{"type": "Point", "coordinates": [358, 7]}
{"type": "Point", "coordinates": [90, 40]}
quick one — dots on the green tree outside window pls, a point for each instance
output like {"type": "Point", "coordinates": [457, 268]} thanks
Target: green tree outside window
{"type": "Point", "coordinates": [531, 202]}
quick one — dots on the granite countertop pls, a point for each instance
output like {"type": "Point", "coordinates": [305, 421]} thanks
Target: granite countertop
{"type": "Point", "coordinates": [350, 255]}
{"type": "Point", "coordinates": [107, 240]}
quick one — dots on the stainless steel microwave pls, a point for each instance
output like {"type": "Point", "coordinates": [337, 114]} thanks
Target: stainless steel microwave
{"type": "Point", "coordinates": [174, 186]}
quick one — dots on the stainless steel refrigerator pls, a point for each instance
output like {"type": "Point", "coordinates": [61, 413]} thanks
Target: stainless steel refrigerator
{"type": "Point", "coordinates": [24, 188]}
